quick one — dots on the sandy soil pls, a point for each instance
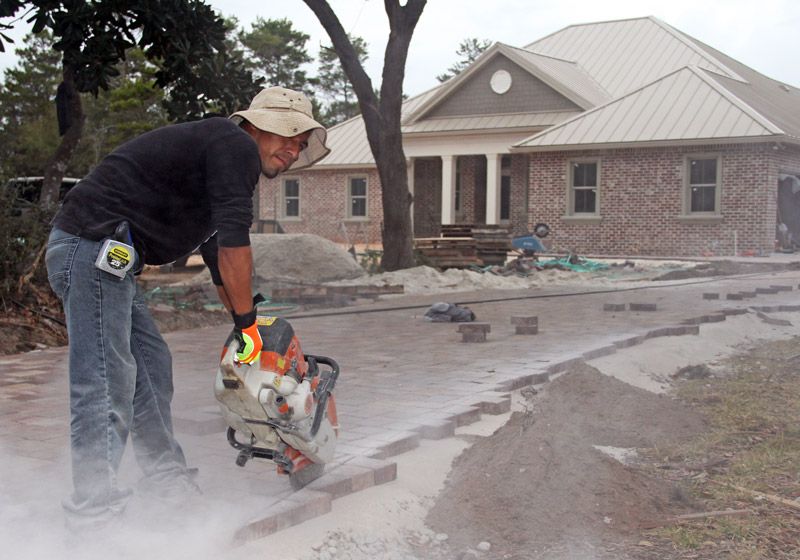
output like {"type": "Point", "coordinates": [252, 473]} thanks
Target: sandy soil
{"type": "Point", "coordinates": [549, 480]}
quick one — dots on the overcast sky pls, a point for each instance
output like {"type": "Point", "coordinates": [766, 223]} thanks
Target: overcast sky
{"type": "Point", "coordinates": [760, 33]}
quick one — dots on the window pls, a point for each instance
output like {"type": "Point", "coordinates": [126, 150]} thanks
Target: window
{"type": "Point", "coordinates": [583, 183]}
{"type": "Point", "coordinates": [357, 195]}
{"type": "Point", "coordinates": [505, 188]}
{"type": "Point", "coordinates": [703, 185]}
{"type": "Point", "coordinates": [291, 198]}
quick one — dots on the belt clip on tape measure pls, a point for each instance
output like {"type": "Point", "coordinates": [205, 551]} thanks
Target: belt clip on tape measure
{"type": "Point", "coordinates": [115, 256]}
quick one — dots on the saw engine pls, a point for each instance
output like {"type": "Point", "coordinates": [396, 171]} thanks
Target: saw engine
{"type": "Point", "coordinates": [280, 407]}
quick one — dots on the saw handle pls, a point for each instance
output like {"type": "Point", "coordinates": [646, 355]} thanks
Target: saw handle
{"type": "Point", "coordinates": [327, 380]}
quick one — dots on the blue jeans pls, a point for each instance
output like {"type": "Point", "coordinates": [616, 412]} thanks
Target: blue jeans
{"type": "Point", "coordinates": [120, 378]}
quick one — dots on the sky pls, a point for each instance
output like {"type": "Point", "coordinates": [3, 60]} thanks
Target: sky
{"type": "Point", "coordinates": [761, 34]}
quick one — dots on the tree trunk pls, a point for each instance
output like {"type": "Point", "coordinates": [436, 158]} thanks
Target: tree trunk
{"type": "Point", "coordinates": [70, 124]}
{"type": "Point", "coordinates": [382, 119]}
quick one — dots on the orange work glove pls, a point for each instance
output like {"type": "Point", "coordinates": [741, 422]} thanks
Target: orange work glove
{"type": "Point", "coordinates": [246, 333]}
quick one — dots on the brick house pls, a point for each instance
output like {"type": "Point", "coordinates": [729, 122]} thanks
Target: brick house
{"type": "Point", "coordinates": [626, 137]}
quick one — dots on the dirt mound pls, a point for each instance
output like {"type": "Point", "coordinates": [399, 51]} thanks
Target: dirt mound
{"type": "Point", "coordinates": [724, 268]}
{"type": "Point", "coordinates": [540, 488]}
{"type": "Point", "coordinates": [299, 258]}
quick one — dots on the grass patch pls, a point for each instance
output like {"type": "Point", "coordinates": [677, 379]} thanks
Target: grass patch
{"type": "Point", "coordinates": [753, 455]}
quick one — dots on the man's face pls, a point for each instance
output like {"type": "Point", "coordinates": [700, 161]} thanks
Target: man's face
{"type": "Point", "coordinates": [278, 153]}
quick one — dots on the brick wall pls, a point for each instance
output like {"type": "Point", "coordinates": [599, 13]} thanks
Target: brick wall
{"type": "Point", "coordinates": [641, 201]}
{"type": "Point", "coordinates": [519, 194]}
{"type": "Point", "coordinates": [323, 211]}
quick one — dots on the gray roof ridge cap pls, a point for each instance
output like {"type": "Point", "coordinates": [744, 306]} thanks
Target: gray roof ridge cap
{"type": "Point", "coordinates": [584, 25]}
{"type": "Point", "coordinates": [690, 42]}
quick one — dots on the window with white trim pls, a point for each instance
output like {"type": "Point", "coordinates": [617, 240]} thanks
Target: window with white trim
{"type": "Point", "coordinates": [357, 197]}
{"type": "Point", "coordinates": [584, 187]}
{"type": "Point", "coordinates": [290, 198]}
{"type": "Point", "coordinates": [702, 184]}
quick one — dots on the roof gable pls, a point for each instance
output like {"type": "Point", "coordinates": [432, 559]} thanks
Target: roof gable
{"type": "Point", "coordinates": [561, 84]}
{"type": "Point", "coordinates": [685, 105]}
{"type": "Point", "coordinates": [474, 96]}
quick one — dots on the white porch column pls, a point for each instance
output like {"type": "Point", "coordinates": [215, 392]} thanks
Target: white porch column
{"type": "Point", "coordinates": [493, 178]}
{"type": "Point", "coordinates": [410, 176]}
{"type": "Point", "coordinates": [448, 189]}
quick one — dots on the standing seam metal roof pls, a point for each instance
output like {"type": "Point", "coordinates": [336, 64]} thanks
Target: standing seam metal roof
{"type": "Point", "coordinates": [649, 82]}
{"type": "Point", "coordinates": [684, 105]}
{"type": "Point", "coordinates": [624, 55]}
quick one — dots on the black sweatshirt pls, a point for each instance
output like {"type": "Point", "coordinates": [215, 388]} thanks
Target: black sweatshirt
{"type": "Point", "coordinates": [176, 186]}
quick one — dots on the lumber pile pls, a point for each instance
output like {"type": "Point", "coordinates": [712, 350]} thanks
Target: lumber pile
{"type": "Point", "coordinates": [465, 245]}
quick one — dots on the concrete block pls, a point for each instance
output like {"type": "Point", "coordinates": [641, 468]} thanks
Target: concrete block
{"type": "Point", "coordinates": [737, 311]}
{"type": "Point", "coordinates": [735, 297]}
{"type": "Point", "coordinates": [524, 381]}
{"type": "Point", "coordinates": [781, 287]}
{"type": "Point", "coordinates": [563, 366]}
{"type": "Point", "coordinates": [464, 416]}
{"type": "Point", "coordinates": [642, 306]}
{"type": "Point", "coordinates": [474, 332]}
{"type": "Point", "coordinates": [712, 318]}
{"type": "Point", "coordinates": [399, 445]}
{"type": "Point", "coordinates": [789, 308]}
{"type": "Point", "coordinates": [343, 480]}
{"type": "Point", "coordinates": [613, 307]}
{"type": "Point", "coordinates": [495, 405]}
{"type": "Point", "coordinates": [301, 506]}
{"type": "Point", "coordinates": [599, 352]}
{"type": "Point", "coordinates": [382, 471]}
{"type": "Point", "coordinates": [766, 291]}
{"type": "Point", "coordinates": [747, 295]}
{"type": "Point", "coordinates": [437, 430]}
{"type": "Point", "coordinates": [628, 342]}
{"type": "Point", "coordinates": [527, 325]}
{"type": "Point", "coordinates": [711, 295]}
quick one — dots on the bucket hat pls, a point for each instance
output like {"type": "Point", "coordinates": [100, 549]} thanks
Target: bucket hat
{"type": "Point", "coordinates": [286, 112]}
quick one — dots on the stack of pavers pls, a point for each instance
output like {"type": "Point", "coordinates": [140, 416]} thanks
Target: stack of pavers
{"type": "Point", "coordinates": [492, 243]}
{"type": "Point", "coordinates": [465, 245]}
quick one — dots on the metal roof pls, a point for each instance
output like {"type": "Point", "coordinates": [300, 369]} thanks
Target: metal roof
{"type": "Point", "coordinates": [493, 122]}
{"type": "Point", "coordinates": [626, 54]}
{"type": "Point", "coordinates": [639, 79]}
{"type": "Point", "coordinates": [686, 105]}
{"type": "Point", "coordinates": [565, 72]}
{"type": "Point", "coordinates": [776, 101]}
{"type": "Point", "coordinates": [348, 140]}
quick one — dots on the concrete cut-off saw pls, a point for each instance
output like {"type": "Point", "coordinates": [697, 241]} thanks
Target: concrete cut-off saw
{"type": "Point", "coordinates": [281, 407]}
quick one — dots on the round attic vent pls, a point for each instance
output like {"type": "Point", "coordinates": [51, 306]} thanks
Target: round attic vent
{"type": "Point", "coordinates": [500, 82]}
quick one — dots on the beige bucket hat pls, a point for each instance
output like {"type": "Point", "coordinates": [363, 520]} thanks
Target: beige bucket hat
{"type": "Point", "coordinates": [287, 113]}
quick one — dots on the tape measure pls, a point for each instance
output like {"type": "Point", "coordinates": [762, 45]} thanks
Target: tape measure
{"type": "Point", "coordinates": [116, 258]}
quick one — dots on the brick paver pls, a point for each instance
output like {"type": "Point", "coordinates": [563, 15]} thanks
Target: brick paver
{"type": "Point", "coordinates": [402, 379]}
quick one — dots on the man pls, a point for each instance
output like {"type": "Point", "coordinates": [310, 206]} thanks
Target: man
{"type": "Point", "coordinates": [151, 201]}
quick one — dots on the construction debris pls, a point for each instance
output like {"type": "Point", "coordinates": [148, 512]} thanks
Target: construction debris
{"type": "Point", "coordinates": [466, 245]}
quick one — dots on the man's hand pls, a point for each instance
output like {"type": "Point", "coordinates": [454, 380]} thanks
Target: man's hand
{"type": "Point", "coordinates": [246, 333]}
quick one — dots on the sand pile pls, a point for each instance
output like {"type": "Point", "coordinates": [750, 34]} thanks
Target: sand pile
{"type": "Point", "coordinates": [426, 280]}
{"type": "Point", "coordinates": [299, 258]}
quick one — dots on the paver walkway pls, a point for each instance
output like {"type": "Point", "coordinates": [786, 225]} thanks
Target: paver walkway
{"type": "Point", "coordinates": [402, 379]}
